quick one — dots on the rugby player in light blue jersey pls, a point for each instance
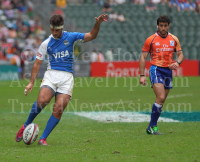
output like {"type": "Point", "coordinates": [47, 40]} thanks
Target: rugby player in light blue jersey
{"type": "Point", "coordinates": [58, 79]}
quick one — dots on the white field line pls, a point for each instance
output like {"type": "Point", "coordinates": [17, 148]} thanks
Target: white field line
{"type": "Point", "coordinates": [120, 117]}
{"type": "Point", "coordinates": [122, 102]}
{"type": "Point", "coordinates": [182, 95]}
{"type": "Point", "coordinates": [113, 103]}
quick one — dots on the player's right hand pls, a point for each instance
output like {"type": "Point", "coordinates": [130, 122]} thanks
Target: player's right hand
{"type": "Point", "coordinates": [28, 87]}
{"type": "Point", "coordinates": [143, 80]}
{"type": "Point", "coordinates": [174, 66]}
{"type": "Point", "coordinates": [101, 18]}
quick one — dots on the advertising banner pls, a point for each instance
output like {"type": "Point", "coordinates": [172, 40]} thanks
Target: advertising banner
{"type": "Point", "coordinates": [8, 72]}
{"type": "Point", "coordinates": [131, 69]}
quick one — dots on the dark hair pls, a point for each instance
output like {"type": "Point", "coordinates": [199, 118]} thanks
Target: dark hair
{"type": "Point", "coordinates": [163, 18]}
{"type": "Point", "coordinates": [56, 20]}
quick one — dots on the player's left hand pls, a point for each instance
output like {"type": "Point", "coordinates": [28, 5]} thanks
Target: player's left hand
{"type": "Point", "coordinates": [101, 18]}
{"type": "Point", "coordinates": [28, 87]}
{"type": "Point", "coordinates": [174, 66]}
{"type": "Point", "coordinates": [143, 80]}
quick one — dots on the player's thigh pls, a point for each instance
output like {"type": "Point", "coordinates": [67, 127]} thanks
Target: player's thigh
{"type": "Point", "coordinates": [47, 89]}
{"type": "Point", "coordinates": [61, 102]}
{"type": "Point", "coordinates": [166, 92]}
{"type": "Point", "coordinates": [63, 91]}
{"type": "Point", "coordinates": [159, 91]}
{"type": "Point", "coordinates": [45, 96]}
{"type": "Point", "coordinates": [66, 84]}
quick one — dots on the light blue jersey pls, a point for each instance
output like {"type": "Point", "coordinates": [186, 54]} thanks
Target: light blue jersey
{"type": "Point", "coordinates": [60, 51]}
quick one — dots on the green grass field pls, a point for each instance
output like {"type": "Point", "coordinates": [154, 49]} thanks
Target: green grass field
{"type": "Point", "coordinates": [77, 138]}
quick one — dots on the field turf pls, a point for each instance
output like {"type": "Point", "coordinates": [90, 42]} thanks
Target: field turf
{"type": "Point", "coordinates": [81, 139]}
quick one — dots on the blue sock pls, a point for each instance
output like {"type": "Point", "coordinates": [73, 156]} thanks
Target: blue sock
{"type": "Point", "coordinates": [52, 122]}
{"type": "Point", "coordinates": [156, 111]}
{"type": "Point", "coordinates": [33, 113]}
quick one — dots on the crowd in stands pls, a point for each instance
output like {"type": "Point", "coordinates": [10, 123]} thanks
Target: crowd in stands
{"type": "Point", "coordinates": [19, 32]}
{"type": "Point", "coordinates": [100, 57]}
{"type": "Point", "coordinates": [116, 17]}
{"type": "Point", "coordinates": [184, 5]}
{"type": "Point", "coordinates": [113, 16]}
{"type": "Point", "coordinates": [181, 5]}
{"type": "Point", "coordinates": [96, 56]}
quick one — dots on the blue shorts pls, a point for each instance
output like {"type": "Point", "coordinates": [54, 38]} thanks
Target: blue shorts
{"type": "Point", "coordinates": [161, 75]}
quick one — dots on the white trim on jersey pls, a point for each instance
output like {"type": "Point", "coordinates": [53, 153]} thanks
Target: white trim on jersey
{"type": "Point", "coordinates": [156, 75]}
{"type": "Point", "coordinates": [43, 49]}
{"type": "Point", "coordinates": [42, 52]}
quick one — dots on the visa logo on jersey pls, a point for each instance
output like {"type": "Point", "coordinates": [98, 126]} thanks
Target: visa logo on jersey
{"type": "Point", "coordinates": [61, 54]}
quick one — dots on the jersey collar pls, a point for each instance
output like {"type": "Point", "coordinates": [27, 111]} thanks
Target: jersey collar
{"type": "Point", "coordinates": [57, 38]}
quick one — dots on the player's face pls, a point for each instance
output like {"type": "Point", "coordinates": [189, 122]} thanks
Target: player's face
{"type": "Point", "coordinates": [57, 33]}
{"type": "Point", "coordinates": [163, 28]}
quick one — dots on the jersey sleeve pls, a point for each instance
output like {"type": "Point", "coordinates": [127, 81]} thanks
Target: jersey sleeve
{"type": "Point", "coordinates": [78, 36]}
{"type": "Point", "coordinates": [178, 45]}
{"type": "Point", "coordinates": [42, 51]}
{"type": "Point", "coordinates": [146, 46]}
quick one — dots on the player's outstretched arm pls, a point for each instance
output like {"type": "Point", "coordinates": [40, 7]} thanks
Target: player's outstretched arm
{"type": "Point", "coordinates": [94, 32]}
{"type": "Point", "coordinates": [143, 58]}
{"type": "Point", "coordinates": [174, 66]}
{"type": "Point", "coordinates": [35, 70]}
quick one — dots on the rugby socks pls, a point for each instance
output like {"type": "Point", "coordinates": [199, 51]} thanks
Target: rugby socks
{"type": "Point", "coordinates": [52, 122]}
{"type": "Point", "coordinates": [33, 113]}
{"type": "Point", "coordinates": [156, 111]}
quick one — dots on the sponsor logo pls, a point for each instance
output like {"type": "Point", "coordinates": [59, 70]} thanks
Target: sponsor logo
{"type": "Point", "coordinates": [171, 43]}
{"type": "Point", "coordinates": [39, 55]}
{"type": "Point", "coordinates": [165, 45]}
{"type": "Point", "coordinates": [66, 42]}
{"type": "Point", "coordinates": [164, 49]}
{"type": "Point", "coordinates": [157, 43]}
{"type": "Point", "coordinates": [27, 133]}
{"type": "Point", "coordinates": [61, 54]}
{"type": "Point", "coordinates": [112, 71]}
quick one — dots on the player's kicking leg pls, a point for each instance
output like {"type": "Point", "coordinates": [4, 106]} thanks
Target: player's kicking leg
{"type": "Point", "coordinates": [161, 94]}
{"type": "Point", "coordinates": [61, 101]}
{"type": "Point", "coordinates": [44, 98]}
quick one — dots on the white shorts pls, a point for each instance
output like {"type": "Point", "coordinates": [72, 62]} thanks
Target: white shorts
{"type": "Point", "coordinates": [59, 81]}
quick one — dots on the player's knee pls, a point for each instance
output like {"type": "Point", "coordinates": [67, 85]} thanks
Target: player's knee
{"type": "Point", "coordinates": [42, 102]}
{"type": "Point", "coordinates": [57, 116]}
{"type": "Point", "coordinates": [161, 99]}
{"type": "Point", "coordinates": [58, 111]}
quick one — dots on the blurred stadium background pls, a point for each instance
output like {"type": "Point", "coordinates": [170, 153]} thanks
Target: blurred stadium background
{"type": "Point", "coordinates": [24, 24]}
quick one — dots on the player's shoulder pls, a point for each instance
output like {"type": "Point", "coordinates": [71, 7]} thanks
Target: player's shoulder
{"type": "Point", "coordinates": [66, 33]}
{"type": "Point", "coordinates": [150, 38]}
{"type": "Point", "coordinates": [69, 34]}
{"type": "Point", "coordinates": [174, 37]}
